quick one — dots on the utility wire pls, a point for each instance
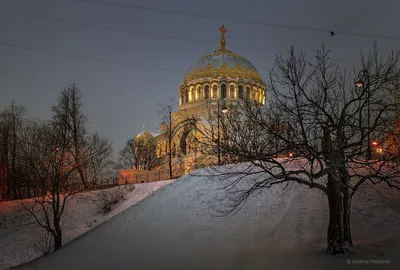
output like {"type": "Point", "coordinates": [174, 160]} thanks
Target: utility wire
{"type": "Point", "coordinates": [238, 20]}
{"type": "Point", "coordinates": [99, 27]}
{"type": "Point", "coordinates": [139, 33]}
{"type": "Point", "coordinates": [7, 44]}
{"type": "Point", "coordinates": [116, 29]}
{"type": "Point", "coordinates": [86, 58]}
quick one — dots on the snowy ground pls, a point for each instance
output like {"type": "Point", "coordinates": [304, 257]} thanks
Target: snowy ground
{"type": "Point", "coordinates": [276, 229]}
{"type": "Point", "coordinates": [18, 243]}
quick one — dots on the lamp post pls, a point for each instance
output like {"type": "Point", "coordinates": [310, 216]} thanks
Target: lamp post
{"type": "Point", "coordinates": [361, 83]}
{"type": "Point", "coordinates": [224, 110]}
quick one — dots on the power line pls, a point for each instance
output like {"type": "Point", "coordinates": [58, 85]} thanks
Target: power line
{"type": "Point", "coordinates": [87, 58]}
{"type": "Point", "coordinates": [238, 20]}
{"type": "Point", "coordinates": [115, 29]}
{"type": "Point", "coordinates": [136, 32]}
{"type": "Point", "coordinates": [7, 44]}
{"type": "Point", "coordinates": [100, 27]}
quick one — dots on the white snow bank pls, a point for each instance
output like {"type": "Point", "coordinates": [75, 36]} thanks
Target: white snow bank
{"type": "Point", "coordinates": [17, 243]}
{"type": "Point", "coordinates": [276, 229]}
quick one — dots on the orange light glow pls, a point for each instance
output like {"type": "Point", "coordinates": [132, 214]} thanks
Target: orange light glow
{"type": "Point", "coordinates": [374, 143]}
{"type": "Point", "coordinates": [290, 154]}
{"type": "Point", "coordinates": [359, 83]}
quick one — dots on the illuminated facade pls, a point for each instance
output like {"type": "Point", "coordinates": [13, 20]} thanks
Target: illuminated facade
{"type": "Point", "coordinates": [219, 75]}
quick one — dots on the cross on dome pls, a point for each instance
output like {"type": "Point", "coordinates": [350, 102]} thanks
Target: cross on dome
{"type": "Point", "coordinates": [223, 41]}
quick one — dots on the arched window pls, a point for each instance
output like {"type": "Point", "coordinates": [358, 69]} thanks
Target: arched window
{"type": "Point", "coordinates": [186, 95]}
{"type": "Point", "coordinates": [241, 96]}
{"type": "Point", "coordinates": [231, 91]}
{"type": "Point", "coordinates": [248, 93]}
{"type": "Point", "coordinates": [198, 93]}
{"type": "Point", "coordinates": [223, 91]}
{"type": "Point", "coordinates": [215, 91]}
{"type": "Point", "coordinates": [206, 92]}
{"type": "Point", "coordinates": [193, 94]}
{"type": "Point", "coordinates": [263, 97]}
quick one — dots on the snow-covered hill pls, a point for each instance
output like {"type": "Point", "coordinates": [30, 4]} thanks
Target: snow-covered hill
{"type": "Point", "coordinates": [174, 228]}
{"type": "Point", "coordinates": [18, 243]}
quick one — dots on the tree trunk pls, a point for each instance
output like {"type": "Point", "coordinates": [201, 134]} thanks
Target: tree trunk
{"type": "Point", "coordinates": [346, 219]}
{"type": "Point", "coordinates": [4, 181]}
{"type": "Point", "coordinates": [170, 145]}
{"type": "Point", "coordinates": [28, 188]}
{"type": "Point", "coordinates": [345, 187]}
{"type": "Point", "coordinates": [170, 163]}
{"type": "Point", "coordinates": [335, 227]}
{"type": "Point", "coordinates": [57, 236]}
{"type": "Point", "coordinates": [27, 180]}
{"type": "Point", "coordinates": [346, 205]}
{"type": "Point", "coordinates": [14, 154]}
{"type": "Point", "coordinates": [79, 162]}
{"type": "Point", "coordinates": [335, 199]}
{"type": "Point", "coordinates": [82, 177]}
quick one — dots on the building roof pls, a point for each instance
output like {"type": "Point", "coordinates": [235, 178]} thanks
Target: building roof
{"type": "Point", "coordinates": [153, 134]}
{"type": "Point", "coordinates": [223, 63]}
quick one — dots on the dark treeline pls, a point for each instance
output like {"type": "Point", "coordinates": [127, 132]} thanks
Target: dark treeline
{"type": "Point", "coordinates": [28, 147]}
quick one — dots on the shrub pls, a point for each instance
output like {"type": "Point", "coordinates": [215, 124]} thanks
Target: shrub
{"type": "Point", "coordinates": [110, 196]}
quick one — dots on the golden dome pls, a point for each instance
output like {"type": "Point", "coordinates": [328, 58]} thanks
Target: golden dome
{"type": "Point", "coordinates": [223, 63]}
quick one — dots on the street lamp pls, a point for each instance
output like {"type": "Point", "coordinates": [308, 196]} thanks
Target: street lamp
{"type": "Point", "coordinates": [224, 110]}
{"type": "Point", "coordinates": [361, 83]}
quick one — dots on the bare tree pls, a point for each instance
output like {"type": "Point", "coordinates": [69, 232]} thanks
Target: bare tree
{"type": "Point", "coordinates": [127, 155]}
{"type": "Point", "coordinates": [10, 126]}
{"type": "Point", "coordinates": [45, 148]}
{"type": "Point", "coordinates": [55, 173]}
{"type": "Point", "coordinates": [99, 163]}
{"type": "Point", "coordinates": [146, 152]}
{"type": "Point", "coordinates": [315, 132]}
{"type": "Point", "coordinates": [139, 153]}
{"type": "Point", "coordinates": [165, 111]}
{"type": "Point", "coordinates": [58, 157]}
{"type": "Point", "coordinates": [68, 113]}
{"type": "Point", "coordinates": [4, 162]}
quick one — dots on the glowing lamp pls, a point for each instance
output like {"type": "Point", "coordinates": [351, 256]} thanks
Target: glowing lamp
{"type": "Point", "coordinates": [359, 83]}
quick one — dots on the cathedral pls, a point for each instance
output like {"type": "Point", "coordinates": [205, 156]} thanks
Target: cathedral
{"type": "Point", "coordinates": [218, 76]}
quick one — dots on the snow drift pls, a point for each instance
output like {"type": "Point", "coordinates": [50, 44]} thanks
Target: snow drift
{"type": "Point", "coordinates": [175, 228]}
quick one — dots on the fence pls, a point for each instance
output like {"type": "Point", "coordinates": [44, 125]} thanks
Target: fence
{"type": "Point", "coordinates": [134, 176]}
{"type": "Point", "coordinates": [23, 191]}
{"type": "Point", "coordinates": [102, 183]}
